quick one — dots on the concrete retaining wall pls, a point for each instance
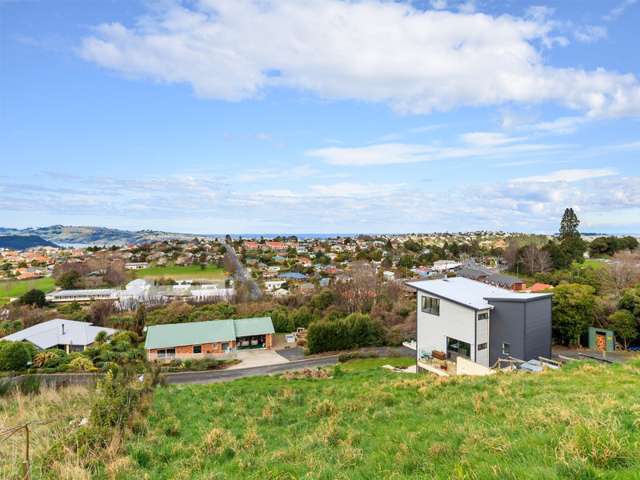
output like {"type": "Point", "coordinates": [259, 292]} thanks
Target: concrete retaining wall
{"type": "Point", "coordinates": [56, 380]}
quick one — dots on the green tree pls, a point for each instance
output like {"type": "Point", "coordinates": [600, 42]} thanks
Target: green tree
{"type": "Point", "coordinates": [14, 356]}
{"type": "Point", "coordinates": [630, 301]}
{"type": "Point", "coordinates": [624, 324]}
{"type": "Point", "coordinates": [569, 225]}
{"type": "Point", "coordinates": [69, 280]}
{"type": "Point", "coordinates": [574, 310]}
{"type": "Point", "coordinates": [34, 297]}
{"type": "Point", "coordinates": [140, 318]}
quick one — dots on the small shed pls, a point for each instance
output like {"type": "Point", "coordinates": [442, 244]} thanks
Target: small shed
{"type": "Point", "coordinates": [602, 339]}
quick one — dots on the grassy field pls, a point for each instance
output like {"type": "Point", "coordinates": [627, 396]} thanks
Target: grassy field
{"type": "Point", "coordinates": [367, 423]}
{"type": "Point", "coordinates": [16, 288]}
{"type": "Point", "coordinates": [191, 272]}
{"type": "Point", "coordinates": [63, 410]}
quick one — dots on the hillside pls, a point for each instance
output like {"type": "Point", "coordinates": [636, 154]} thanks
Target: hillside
{"type": "Point", "coordinates": [22, 242]}
{"type": "Point", "coordinates": [366, 422]}
{"type": "Point", "coordinates": [85, 235]}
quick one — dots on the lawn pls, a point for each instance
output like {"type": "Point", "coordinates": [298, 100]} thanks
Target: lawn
{"type": "Point", "coordinates": [368, 423]}
{"type": "Point", "coordinates": [190, 272]}
{"type": "Point", "coordinates": [17, 288]}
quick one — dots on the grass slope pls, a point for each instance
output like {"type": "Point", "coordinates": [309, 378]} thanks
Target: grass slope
{"type": "Point", "coordinates": [17, 288]}
{"type": "Point", "coordinates": [190, 272]}
{"type": "Point", "coordinates": [57, 413]}
{"type": "Point", "coordinates": [367, 423]}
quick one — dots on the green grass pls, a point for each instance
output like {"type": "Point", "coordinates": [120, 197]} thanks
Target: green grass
{"type": "Point", "coordinates": [593, 263]}
{"type": "Point", "coordinates": [17, 288]}
{"type": "Point", "coordinates": [582, 422]}
{"type": "Point", "coordinates": [190, 272]}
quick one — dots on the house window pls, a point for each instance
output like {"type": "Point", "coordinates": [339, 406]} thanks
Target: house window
{"type": "Point", "coordinates": [167, 353]}
{"type": "Point", "coordinates": [197, 349]}
{"type": "Point", "coordinates": [482, 346]}
{"type": "Point", "coordinates": [457, 348]}
{"type": "Point", "coordinates": [431, 305]}
{"type": "Point", "coordinates": [506, 349]}
{"type": "Point", "coordinates": [483, 315]}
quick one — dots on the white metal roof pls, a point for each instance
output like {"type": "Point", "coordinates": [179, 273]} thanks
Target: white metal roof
{"type": "Point", "coordinates": [470, 292]}
{"type": "Point", "coordinates": [51, 333]}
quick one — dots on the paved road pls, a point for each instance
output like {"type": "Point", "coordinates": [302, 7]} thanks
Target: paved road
{"type": "Point", "coordinates": [215, 376]}
{"type": "Point", "coordinates": [241, 275]}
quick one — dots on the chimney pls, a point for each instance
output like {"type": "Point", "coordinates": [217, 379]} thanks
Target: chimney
{"type": "Point", "coordinates": [62, 325]}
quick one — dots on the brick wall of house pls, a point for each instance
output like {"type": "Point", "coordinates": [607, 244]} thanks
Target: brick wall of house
{"type": "Point", "coordinates": [186, 351]}
{"type": "Point", "coordinates": [268, 342]}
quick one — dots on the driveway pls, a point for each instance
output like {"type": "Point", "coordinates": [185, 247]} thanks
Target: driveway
{"type": "Point", "coordinates": [257, 358]}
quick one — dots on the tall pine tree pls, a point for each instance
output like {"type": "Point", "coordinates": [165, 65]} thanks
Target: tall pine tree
{"type": "Point", "coordinates": [569, 225]}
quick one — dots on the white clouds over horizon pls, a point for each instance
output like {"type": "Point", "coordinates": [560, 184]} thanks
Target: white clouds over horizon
{"type": "Point", "coordinates": [374, 51]}
{"type": "Point", "coordinates": [531, 204]}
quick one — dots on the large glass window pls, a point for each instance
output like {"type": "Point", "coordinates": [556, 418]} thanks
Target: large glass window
{"type": "Point", "coordinates": [457, 348]}
{"type": "Point", "coordinates": [197, 349]}
{"type": "Point", "coordinates": [431, 305]}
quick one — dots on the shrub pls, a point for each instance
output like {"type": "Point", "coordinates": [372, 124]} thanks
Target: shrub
{"type": "Point", "coordinates": [53, 358]}
{"type": "Point", "coordinates": [14, 356]}
{"type": "Point", "coordinates": [81, 364]}
{"type": "Point", "coordinates": [356, 330]}
{"type": "Point", "coordinates": [34, 297]}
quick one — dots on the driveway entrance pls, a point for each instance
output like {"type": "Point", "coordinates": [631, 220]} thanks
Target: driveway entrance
{"type": "Point", "coordinates": [257, 358]}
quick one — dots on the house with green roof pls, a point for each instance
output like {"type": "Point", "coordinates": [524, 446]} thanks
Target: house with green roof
{"type": "Point", "coordinates": [210, 338]}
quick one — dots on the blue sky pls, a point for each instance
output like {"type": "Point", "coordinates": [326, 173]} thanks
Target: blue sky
{"type": "Point", "coordinates": [217, 116]}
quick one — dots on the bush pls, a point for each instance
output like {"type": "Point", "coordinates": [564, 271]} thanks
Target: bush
{"type": "Point", "coordinates": [34, 297]}
{"type": "Point", "coordinates": [81, 364]}
{"type": "Point", "coordinates": [53, 358]}
{"type": "Point", "coordinates": [355, 331]}
{"type": "Point", "coordinates": [14, 356]}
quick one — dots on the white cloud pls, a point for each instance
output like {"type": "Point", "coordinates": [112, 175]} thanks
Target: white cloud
{"type": "Point", "coordinates": [589, 33]}
{"type": "Point", "coordinates": [568, 176]}
{"type": "Point", "coordinates": [619, 9]}
{"type": "Point", "coordinates": [205, 204]}
{"type": "Point", "coordinates": [480, 145]}
{"type": "Point", "coordinates": [415, 61]}
{"type": "Point", "coordinates": [489, 138]}
{"type": "Point", "coordinates": [439, 4]}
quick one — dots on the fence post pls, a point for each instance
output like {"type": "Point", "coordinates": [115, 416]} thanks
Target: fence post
{"type": "Point", "coordinates": [27, 475]}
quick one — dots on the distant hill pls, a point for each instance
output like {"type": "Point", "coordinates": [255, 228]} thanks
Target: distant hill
{"type": "Point", "coordinates": [85, 236]}
{"type": "Point", "coordinates": [22, 242]}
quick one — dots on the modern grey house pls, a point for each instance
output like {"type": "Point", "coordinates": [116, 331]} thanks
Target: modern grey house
{"type": "Point", "coordinates": [463, 317]}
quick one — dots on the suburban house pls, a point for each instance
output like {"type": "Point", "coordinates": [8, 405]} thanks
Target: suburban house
{"type": "Point", "coordinates": [68, 335]}
{"type": "Point", "coordinates": [210, 338]}
{"type": "Point", "coordinates": [462, 317]}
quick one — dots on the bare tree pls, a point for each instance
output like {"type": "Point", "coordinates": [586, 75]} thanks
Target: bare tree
{"type": "Point", "coordinates": [529, 258]}
{"type": "Point", "coordinates": [623, 272]}
{"type": "Point", "coordinates": [544, 261]}
{"type": "Point", "coordinates": [510, 254]}
{"type": "Point", "coordinates": [230, 264]}
{"type": "Point", "coordinates": [357, 293]}
{"type": "Point", "coordinates": [100, 311]}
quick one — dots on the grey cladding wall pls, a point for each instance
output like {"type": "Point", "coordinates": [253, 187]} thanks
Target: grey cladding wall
{"type": "Point", "coordinates": [538, 329]}
{"type": "Point", "coordinates": [506, 326]}
{"type": "Point", "coordinates": [525, 326]}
